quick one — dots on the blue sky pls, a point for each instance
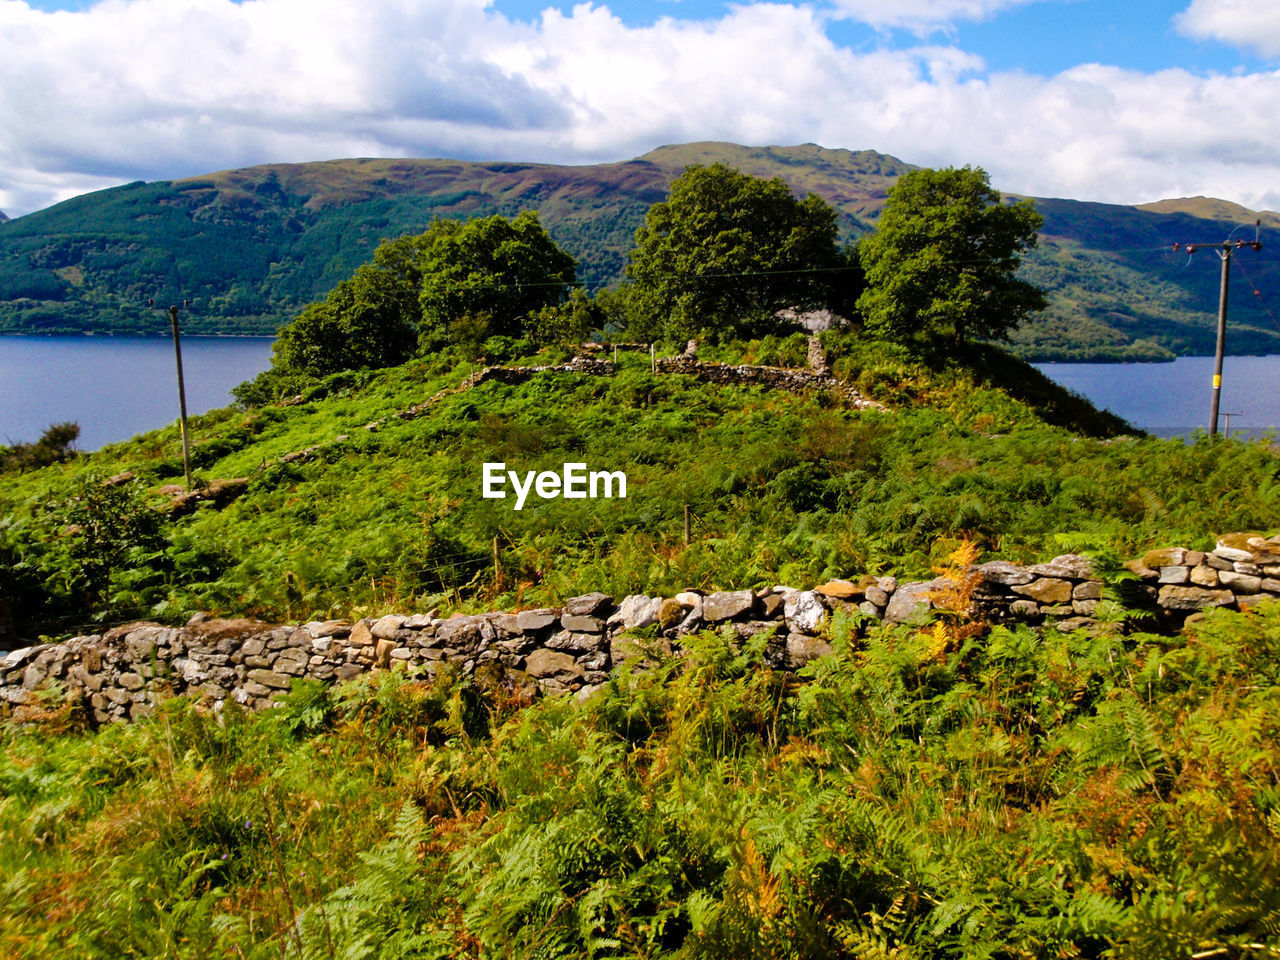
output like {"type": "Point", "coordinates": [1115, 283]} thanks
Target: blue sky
{"type": "Point", "coordinates": [1123, 102]}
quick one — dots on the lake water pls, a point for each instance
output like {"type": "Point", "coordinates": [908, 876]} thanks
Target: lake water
{"type": "Point", "coordinates": [1172, 399]}
{"type": "Point", "coordinates": [115, 387]}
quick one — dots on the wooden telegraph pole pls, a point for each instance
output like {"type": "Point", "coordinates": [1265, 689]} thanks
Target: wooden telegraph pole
{"type": "Point", "coordinates": [182, 390]}
{"type": "Point", "coordinates": [1226, 250]}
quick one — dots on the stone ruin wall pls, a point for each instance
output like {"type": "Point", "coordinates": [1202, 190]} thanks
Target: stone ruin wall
{"type": "Point", "coordinates": [573, 648]}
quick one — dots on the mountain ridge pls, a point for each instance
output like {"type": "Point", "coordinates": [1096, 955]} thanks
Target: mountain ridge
{"type": "Point", "coordinates": [249, 246]}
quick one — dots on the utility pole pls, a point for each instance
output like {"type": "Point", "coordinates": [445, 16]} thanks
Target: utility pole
{"type": "Point", "coordinates": [182, 390]}
{"type": "Point", "coordinates": [1226, 250]}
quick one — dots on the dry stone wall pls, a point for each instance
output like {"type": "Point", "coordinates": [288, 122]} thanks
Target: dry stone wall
{"type": "Point", "coordinates": [574, 647]}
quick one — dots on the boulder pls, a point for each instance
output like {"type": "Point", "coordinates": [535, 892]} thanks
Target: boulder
{"type": "Point", "coordinates": [1174, 575]}
{"type": "Point", "coordinates": [386, 628]}
{"type": "Point", "coordinates": [1239, 582]}
{"type": "Point", "coordinates": [802, 648]}
{"type": "Point", "coordinates": [530, 621]}
{"type": "Point", "coordinates": [1204, 576]}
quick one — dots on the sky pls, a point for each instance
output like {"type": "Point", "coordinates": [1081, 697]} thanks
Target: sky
{"type": "Point", "coordinates": [1123, 102]}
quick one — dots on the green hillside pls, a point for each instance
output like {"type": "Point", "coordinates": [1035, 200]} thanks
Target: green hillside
{"type": "Point", "coordinates": [782, 488]}
{"type": "Point", "coordinates": [250, 247]}
{"type": "Point", "coordinates": [955, 791]}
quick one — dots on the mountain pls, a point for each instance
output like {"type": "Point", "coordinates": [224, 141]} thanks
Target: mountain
{"type": "Point", "coordinates": [249, 247]}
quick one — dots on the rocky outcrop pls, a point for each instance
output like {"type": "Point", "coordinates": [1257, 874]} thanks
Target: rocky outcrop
{"type": "Point", "coordinates": [573, 648]}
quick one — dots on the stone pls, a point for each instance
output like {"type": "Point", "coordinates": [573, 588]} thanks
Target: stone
{"type": "Point", "coordinates": [869, 609]}
{"type": "Point", "coordinates": [771, 605]}
{"type": "Point", "coordinates": [1053, 570]}
{"type": "Point", "coordinates": [1165, 557]}
{"type": "Point", "coordinates": [801, 649]}
{"type": "Point", "coordinates": [1077, 567]}
{"type": "Point", "coordinates": [388, 627]}
{"type": "Point", "coordinates": [1271, 569]}
{"type": "Point", "coordinates": [876, 596]}
{"type": "Point", "coordinates": [459, 631]}
{"type": "Point", "coordinates": [1252, 569]}
{"type": "Point", "coordinates": [269, 678]}
{"type": "Point", "coordinates": [1003, 572]}
{"type": "Point", "coordinates": [1204, 576]}
{"type": "Point", "coordinates": [581, 624]}
{"type": "Point", "coordinates": [911, 601]}
{"type": "Point", "coordinates": [1137, 568]}
{"type": "Point", "coordinates": [1024, 609]}
{"type": "Point", "coordinates": [1088, 590]}
{"type": "Point", "coordinates": [531, 621]}
{"type": "Point", "coordinates": [579, 642]}
{"type": "Point", "coordinates": [1239, 582]}
{"type": "Point", "coordinates": [1270, 585]}
{"type": "Point", "coordinates": [588, 605]}
{"type": "Point", "coordinates": [551, 663]}
{"type": "Point", "coordinates": [1174, 574]}
{"type": "Point", "coordinates": [839, 589]}
{"type": "Point", "coordinates": [419, 621]}
{"type": "Point", "coordinates": [887, 584]}
{"type": "Point", "coordinates": [1218, 563]}
{"type": "Point", "coordinates": [1254, 546]}
{"type": "Point", "coordinates": [671, 614]}
{"type": "Point", "coordinates": [361, 635]}
{"type": "Point", "coordinates": [1046, 590]}
{"type": "Point", "coordinates": [1084, 608]}
{"type": "Point", "coordinates": [637, 611]}
{"type": "Point", "coordinates": [253, 689]}
{"type": "Point", "coordinates": [131, 681]}
{"type": "Point", "coordinates": [727, 605]}
{"type": "Point", "coordinates": [198, 618]}
{"type": "Point", "coordinates": [253, 646]}
{"type": "Point", "coordinates": [293, 662]}
{"type": "Point", "coordinates": [1174, 597]}
{"type": "Point", "coordinates": [804, 612]}
{"type": "Point", "coordinates": [688, 599]}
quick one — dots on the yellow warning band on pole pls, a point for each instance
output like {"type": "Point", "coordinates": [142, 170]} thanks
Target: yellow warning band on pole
{"type": "Point", "coordinates": [1217, 381]}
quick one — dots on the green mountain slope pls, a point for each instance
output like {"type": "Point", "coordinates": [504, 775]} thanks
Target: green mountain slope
{"type": "Point", "coordinates": [251, 246]}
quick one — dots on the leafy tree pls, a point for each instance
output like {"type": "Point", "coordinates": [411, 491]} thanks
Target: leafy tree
{"type": "Point", "coordinates": [106, 524]}
{"type": "Point", "coordinates": [54, 446]}
{"type": "Point", "coordinates": [492, 268]}
{"type": "Point", "coordinates": [725, 251]}
{"type": "Point", "coordinates": [369, 320]}
{"type": "Point", "coordinates": [941, 266]}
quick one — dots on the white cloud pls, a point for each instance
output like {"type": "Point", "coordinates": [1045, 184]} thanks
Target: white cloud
{"type": "Point", "coordinates": [921, 16]}
{"type": "Point", "coordinates": [148, 89]}
{"type": "Point", "coordinates": [1242, 23]}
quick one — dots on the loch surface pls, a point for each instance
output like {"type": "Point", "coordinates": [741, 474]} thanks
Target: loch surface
{"type": "Point", "coordinates": [115, 387]}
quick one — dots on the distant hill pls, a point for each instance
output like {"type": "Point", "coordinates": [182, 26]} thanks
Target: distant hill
{"type": "Point", "coordinates": [3, 217]}
{"type": "Point", "coordinates": [249, 247]}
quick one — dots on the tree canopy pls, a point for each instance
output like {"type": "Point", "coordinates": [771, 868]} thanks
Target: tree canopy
{"type": "Point", "coordinates": [492, 272]}
{"type": "Point", "coordinates": [725, 251]}
{"type": "Point", "coordinates": [454, 282]}
{"type": "Point", "coordinates": [941, 266]}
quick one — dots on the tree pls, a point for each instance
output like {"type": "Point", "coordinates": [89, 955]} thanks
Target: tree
{"type": "Point", "coordinates": [493, 270]}
{"type": "Point", "coordinates": [368, 320]}
{"type": "Point", "coordinates": [941, 265]}
{"type": "Point", "coordinates": [726, 251]}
